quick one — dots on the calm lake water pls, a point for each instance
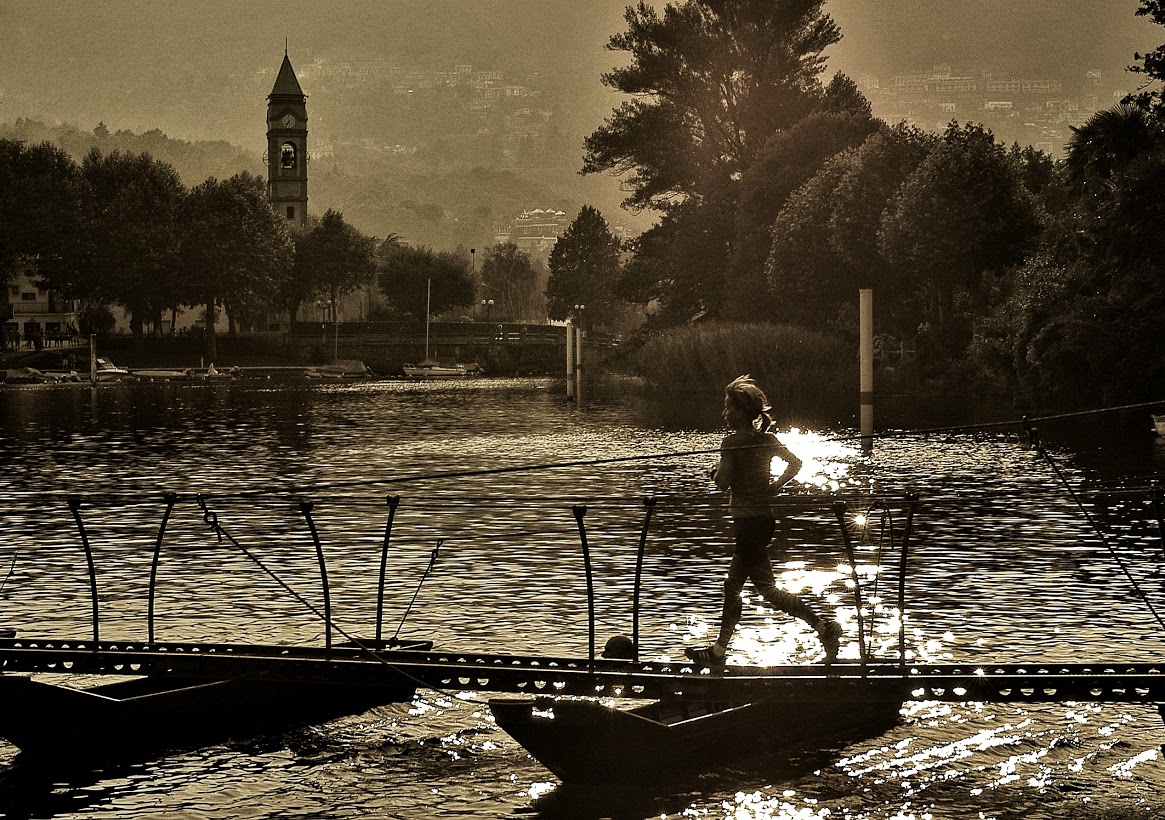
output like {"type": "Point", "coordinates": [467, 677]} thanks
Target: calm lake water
{"type": "Point", "coordinates": [1005, 567]}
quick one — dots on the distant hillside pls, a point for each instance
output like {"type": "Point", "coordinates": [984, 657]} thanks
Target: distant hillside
{"type": "Point", "coordinates": [194, 161]}
{"type": "Point", "coordinates": [1035, 38]}
{"type": "Point", "coordinates": [447, 207]}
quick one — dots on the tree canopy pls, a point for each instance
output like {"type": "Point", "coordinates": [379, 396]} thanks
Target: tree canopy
{"type": "Point", "coordinates": [40, 199]}
{"type": "Point", "coordinates": [510, 277]}
{"type": "Point", "coordinates": [235, 249]}
{"type": "Point", "coordinates": [331, 259]}
{"type": "Point", "coordinates": [1151, 64]}
{"type": "Point", "coordinates": [132, 252]}
{"type": "Point", "coordinates": [407, 273]}
{"type": "Point", "coordinates": [584, 267]}
{"type": "Point", "coordinates": [713, 85]}
{"type": "Point", "coordinates": [710, 81]}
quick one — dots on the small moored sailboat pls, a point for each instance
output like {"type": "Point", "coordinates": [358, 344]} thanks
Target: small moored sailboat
{"type": "Point", "coordinates": [429, 368]}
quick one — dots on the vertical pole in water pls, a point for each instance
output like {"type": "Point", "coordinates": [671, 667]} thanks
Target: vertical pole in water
{"type": "Point", "coordinates": [578, 367]}
{"type": "Point", "coordinates": [866, 356]}
{"type": "Point", "coordinates": [428, 308]}
{"type": "Point", "coordinates": [569, 360]}
{"type": "Point", "coordinates": [93, 359]}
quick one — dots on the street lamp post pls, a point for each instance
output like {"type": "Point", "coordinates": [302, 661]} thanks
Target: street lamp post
{"type": "Point", "coordinates": [487, 304]}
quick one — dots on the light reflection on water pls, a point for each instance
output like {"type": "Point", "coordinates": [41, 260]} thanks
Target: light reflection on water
{"type": "Point", "coordinates": [1003, 567]}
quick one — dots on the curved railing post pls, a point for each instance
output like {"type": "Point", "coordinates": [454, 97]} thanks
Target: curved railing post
{"type": "Point", "coordinates": [1155, 496]}
{"type": "Point", "coordinates": [649, 503]}
{"type": "Point", "coordinates": [911, 501]}
{"type": "Point", "coordinates": [306, 507]}
{"type": "Point", "coordinates": [170, 498]}
{"type": "Point", "coordinates": [580, 512]}
{"type": "Point", "coordinates": [839, 509]}
{"type": "Point", "coordinates": [392, 501]}
{"type": "Point", "coordinates": [75, 508]}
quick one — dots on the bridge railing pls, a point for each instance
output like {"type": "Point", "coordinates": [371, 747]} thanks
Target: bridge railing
{"type": "Point", "coordinates": [855, 528]}
{"type": "Point", "coordinates": [449, 333]}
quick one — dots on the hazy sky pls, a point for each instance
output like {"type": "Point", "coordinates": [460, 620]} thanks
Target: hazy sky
{"type": "Point", "coordinates": [190, 69]}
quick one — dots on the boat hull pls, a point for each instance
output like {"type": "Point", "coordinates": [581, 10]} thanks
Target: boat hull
{"type": "Point", "coordinates": [587, 743]}
{"type": "Point", "coordinates": [144, 715]}
{"type": "Point", "coordinates": [435, 372]}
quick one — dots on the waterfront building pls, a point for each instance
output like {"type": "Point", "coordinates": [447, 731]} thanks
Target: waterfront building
{"type": "Point", "coordinates": [36, 318]}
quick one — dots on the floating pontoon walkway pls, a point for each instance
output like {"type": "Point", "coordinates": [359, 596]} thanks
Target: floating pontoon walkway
{"type": "Point", "coordinates": [455, 671]}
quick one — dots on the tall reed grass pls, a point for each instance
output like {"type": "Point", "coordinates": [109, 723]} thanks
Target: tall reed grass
{"type": "Point", "coordinates": [796, 366]}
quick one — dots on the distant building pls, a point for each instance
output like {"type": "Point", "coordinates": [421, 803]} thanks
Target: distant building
{"type": "Point", "coordinates": [535, 232]}
{"type": "Point", "coordinates": [36, 318]}
{"type": "Point", "coordinates": [287, 145]}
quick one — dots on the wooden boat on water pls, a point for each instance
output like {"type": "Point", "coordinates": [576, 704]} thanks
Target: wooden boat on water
{"type": "Point", "coordinates": [429, 368]}
{"type": "Point", "coordinates": [340, 370]}
{"type": "Point", "coordinates": [434, 370]}
{"type": "Point", "coordinates": [586, 742]}
{"type": "Point", "coordinates": [139, 716]}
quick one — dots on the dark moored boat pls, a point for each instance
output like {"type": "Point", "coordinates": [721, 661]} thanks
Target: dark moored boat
{"type": "Point", "coordinates": [141, 715]}
{"type": "Point", "coordinates": [585, 742]}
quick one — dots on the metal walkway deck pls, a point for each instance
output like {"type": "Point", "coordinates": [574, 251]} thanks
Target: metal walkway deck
{"type": "Point", "coordinates": [459, 671]}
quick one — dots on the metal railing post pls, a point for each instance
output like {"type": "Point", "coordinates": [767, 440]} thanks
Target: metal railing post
{"type": "Point", "coordinates": [1155, 496]}
{"type": "Point", "coordinates": [839, 509]}
{"type": "Point", "coordinates": [75, 508]}
{"type": "Point", "coordinates": [649, 503]}
{"type": "Point", "coordinates": [170, 498]}
{"type": "Point", "coordinates": [392, 501]}
{"type": "Point", "coordinates": [580, 512]}
{"type": "Point", "coordinates": [306, 507]}
{"type": "Point", "coordinates": [911, 502]}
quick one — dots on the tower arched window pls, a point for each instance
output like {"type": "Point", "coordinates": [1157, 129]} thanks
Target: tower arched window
{"type": "Point", "coordinates": [287, 156]}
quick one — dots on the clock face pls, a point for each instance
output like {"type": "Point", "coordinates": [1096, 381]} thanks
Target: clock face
{"type": "Point", "coordinates": [288, 121]}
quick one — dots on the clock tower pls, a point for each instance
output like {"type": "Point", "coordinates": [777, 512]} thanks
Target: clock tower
{"type": "Point", "coordinates": [287, 146]}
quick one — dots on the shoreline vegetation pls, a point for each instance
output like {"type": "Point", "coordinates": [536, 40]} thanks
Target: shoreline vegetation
{"type": "Point", "coordinates": [795, 364]}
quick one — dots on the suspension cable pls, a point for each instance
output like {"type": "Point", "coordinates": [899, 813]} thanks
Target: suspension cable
{"type": "Point", "coordinates": [1035, 438]}
{"type": "Point", "coordinates": [210, 518]}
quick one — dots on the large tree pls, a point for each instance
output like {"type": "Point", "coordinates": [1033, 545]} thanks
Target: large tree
{"type": "Point", "coordinates": [235, 249]}
{"type": "Point", "coordinates": [825, 240]}
{"type": "Point", "coordinates": [1151, 64]}
{"type": "Point", "coordinates": [789, 159]}
{"type": "Point", "coordinates": [332, 259]}
{"type": "Point", "coordinates": [131, 235]}
{"type": "Point", "coordinates": [584, 267]}
{"type": "Point", "coordinates": [709, 82]}
{"type": "Point", "coordinates": [416, 280]}
{"type": "Point", "coordinates": [962, 213]}
{"type": "Point", "coordinates": [40, 197]}
{"type": "Point", "coordinates": [510, 277]}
